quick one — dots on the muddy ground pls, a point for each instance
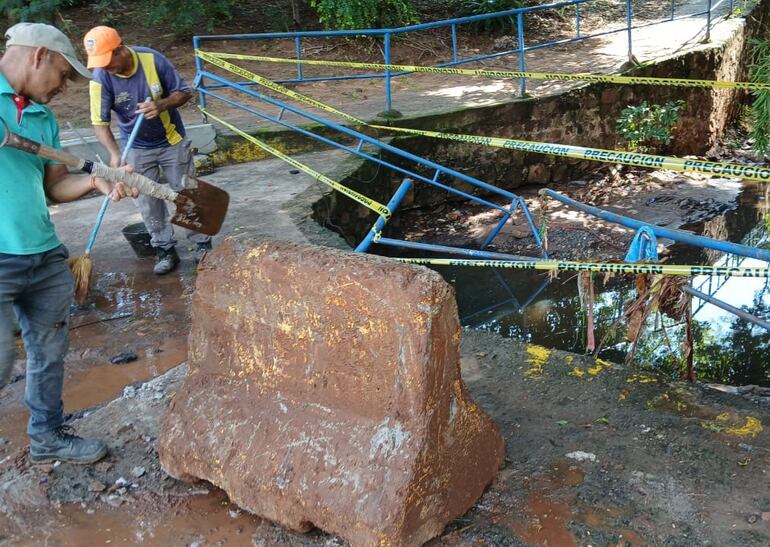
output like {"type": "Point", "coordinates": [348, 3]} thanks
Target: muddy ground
{"type": "Point", "coordinates": [596, 453]}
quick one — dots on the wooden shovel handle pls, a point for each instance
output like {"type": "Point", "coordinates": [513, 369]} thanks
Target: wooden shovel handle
{"type": "Point", "coordinates": [145, 185]}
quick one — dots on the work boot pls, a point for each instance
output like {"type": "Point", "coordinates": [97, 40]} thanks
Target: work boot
{"type": "Point", "coordinates": [201, 250]}
{"type": "Point", "coordinates": [61, 445]}
{"type": "Point", "coordinates": [165, 261]}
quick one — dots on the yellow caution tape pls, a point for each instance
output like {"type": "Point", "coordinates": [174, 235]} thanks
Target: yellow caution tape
{"type": "Point", "coordinates": [379, 208]}
{"type": "Point", "coordinates": [578, 152]}
{"type": "Point", "coordinates": [605, 78]}
{"type": "Point", "coordinates": [747, 172]}
{"type": "Point", "coordinates": [257, 79]}
{"type": "Point", "coordinates": [614, 157]}
{"type": "Point", "coordinates": [617, 268]}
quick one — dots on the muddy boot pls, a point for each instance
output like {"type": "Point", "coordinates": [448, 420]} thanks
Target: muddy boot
{"type": "Point", "coordinates": [61, 445]}
{"type": "Point", "coordinates": [165, 261]}
{"type": "Point", "coordinates": [201, 250]}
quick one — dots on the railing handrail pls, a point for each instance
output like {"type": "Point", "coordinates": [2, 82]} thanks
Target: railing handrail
{"type": "Point", "coordinates": [394, 30]}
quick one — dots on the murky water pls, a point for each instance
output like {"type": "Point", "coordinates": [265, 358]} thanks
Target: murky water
{"type": "Point", "coordinates": [727, 349]}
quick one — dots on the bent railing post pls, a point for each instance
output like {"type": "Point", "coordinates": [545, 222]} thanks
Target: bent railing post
{"type": "Point", "coordinates": [393, 204]}
{"type": "Point", "coordinates": [676, 235]}
{"type": "Point", "coordinates": [431, 247]}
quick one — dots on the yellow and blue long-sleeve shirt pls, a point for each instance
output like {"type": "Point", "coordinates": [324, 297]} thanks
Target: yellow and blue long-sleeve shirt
{"type": "Point", "coordinates": [153, 76]}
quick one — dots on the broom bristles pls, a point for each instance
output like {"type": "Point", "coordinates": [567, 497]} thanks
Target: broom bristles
{"type": "Point", "coordinates": [82, 267]}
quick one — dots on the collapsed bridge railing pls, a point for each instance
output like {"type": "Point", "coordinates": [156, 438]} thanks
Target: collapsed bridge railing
{"type": "Point", "coordinates": [221, 61]}
{"type": "Point", "coordinates": [515, 202]}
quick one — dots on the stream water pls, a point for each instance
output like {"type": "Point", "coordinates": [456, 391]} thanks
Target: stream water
{"type": "Point", "coordinates": [727, 349]}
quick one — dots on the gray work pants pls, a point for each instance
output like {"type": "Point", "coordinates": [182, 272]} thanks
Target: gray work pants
{"type": "Point", "coordinates": [175, 162]}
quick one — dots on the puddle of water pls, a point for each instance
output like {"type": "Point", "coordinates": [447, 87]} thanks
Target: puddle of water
{"type": "Point", "coordinates": [567, 475]}
{"type": "Point", "coordinates": [155, 329]}
{"type": "Point", "coordinates": [727, 350]}
{"type": "Point", "coordinates": [93, 386]}
{"type": "Point", "coordinates": [545, 523]}
{"type": "Point", "coordinates": [202, 520]}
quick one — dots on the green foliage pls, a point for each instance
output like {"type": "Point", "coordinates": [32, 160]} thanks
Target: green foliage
{"type": "Point", "coordinates": [466, 8]}
{"type": "Point", "coordinates": [184, 18]}
{"type": "Point", "coordinates": [360, 14]}
{"type": "Point", "coordinates": [36, 11]}
{"type": "Point", "coordinates": [743, 7]}
{"type": "Point", "coordinates": [760, 109]}
{"type": "Point", "coordinates": [646, 127]}
{"type": "Point", "coordinates": [107, 12]}
{"type": "Point", "coordinates": [277, 19]}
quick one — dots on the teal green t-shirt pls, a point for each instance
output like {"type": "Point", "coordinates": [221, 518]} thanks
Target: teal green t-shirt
{"type": "Point", "coordinates": [25, 225]}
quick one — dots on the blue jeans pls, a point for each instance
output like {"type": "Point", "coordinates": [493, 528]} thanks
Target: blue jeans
{"type": "Point", "coordinates": [40, 288]}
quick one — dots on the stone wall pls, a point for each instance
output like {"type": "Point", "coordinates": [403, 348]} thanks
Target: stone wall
{"type": "Point", "coordinates": [584, 116]}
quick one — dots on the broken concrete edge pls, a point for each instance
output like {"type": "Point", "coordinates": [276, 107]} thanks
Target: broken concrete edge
{"type": "Point", "coordinates": [312, 402]}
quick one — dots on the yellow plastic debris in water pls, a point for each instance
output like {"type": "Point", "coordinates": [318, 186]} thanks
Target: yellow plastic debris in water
{"type": "Point", "coordinates": [538, 355]}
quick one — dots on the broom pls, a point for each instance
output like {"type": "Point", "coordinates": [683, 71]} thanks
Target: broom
{"type": "Point", "coordinates": [82, 266]}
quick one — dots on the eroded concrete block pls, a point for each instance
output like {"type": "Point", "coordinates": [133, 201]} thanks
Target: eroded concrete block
{"type": "Point", "coordinates": [324, 390]}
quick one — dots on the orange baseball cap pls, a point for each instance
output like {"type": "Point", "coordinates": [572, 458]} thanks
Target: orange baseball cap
{"type": "Point", "coordinates": [99, 43]}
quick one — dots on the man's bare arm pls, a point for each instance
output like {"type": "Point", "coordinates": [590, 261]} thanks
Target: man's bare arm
{"type": "Point", "coordinates": [61, 186]}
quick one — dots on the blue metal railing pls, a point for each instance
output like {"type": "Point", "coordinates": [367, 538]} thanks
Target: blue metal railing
{"type": "Point", "coordinates": [516, 202]}
{"type": "Point", "coordinates": [711, 7]}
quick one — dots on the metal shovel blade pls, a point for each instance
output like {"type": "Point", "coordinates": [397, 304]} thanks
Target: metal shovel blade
{"type": "Point", "coordinates": [201, 207]}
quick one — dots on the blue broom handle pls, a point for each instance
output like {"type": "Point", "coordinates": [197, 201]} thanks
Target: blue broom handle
{"type": "Point", "coordinates": [106, 202]}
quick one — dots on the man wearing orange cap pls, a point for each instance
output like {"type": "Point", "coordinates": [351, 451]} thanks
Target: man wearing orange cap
{"type": "Point", "coordinates": [123, 78]}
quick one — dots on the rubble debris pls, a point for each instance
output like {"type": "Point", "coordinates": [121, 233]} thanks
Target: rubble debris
{"type": "Point", "coordinates": [124, 357]}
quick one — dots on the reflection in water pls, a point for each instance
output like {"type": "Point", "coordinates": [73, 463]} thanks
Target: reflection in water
{"type": "Point", "coordinates": [727, 349]}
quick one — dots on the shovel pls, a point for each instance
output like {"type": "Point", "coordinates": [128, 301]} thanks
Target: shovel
{"type": "Point", "coordinates": [200, 207]}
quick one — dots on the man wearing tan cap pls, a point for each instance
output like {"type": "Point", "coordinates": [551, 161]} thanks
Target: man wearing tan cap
{"type": "Point", "coordinates": [35, 281]}
{"type": "Point", "coordinates": [124, 77]}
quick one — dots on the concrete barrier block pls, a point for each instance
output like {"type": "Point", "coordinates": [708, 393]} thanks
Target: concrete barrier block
{"type": "Point", "coordinates": [324, 390]}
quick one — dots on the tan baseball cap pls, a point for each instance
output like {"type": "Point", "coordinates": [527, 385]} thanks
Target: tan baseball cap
{"type": "Point", "coordinates": [41, 35]}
